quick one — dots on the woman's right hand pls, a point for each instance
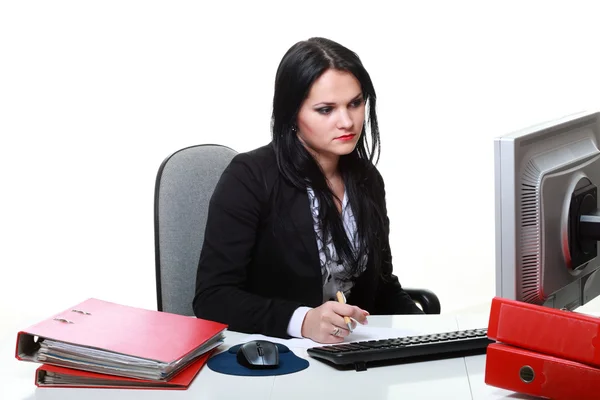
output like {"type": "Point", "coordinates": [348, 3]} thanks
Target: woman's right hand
{"type": "Point", "coordinates": [325, 324]}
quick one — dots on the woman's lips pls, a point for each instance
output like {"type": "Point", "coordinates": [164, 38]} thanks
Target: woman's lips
{"type": "Point", "coordinates": [345, 137]}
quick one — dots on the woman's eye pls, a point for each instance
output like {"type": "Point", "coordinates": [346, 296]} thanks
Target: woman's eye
{"type": "Point", "coordinates": [324, 110]}
{"type": "Point", "coordinates": [356, 103]}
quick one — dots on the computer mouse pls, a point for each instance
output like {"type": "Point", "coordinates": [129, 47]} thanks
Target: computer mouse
{"type": "Point", "coordinates": [258, 354]}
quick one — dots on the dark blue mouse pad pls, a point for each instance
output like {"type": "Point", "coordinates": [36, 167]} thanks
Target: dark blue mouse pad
{"type": "Point", "coordinates": [226, 363]}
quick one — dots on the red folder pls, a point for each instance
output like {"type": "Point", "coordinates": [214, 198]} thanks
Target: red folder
{"type": "Point", "coordinates": [156, 338]}
{"type": "Point", "coordinates": [60, 377]}
{"type": "Point", "coordinates": [535, 374]}
{"type": "Point", "coordinates": [564, 334]}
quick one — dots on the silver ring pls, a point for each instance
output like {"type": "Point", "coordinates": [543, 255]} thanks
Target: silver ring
{"type": "Point", "coordinates": [336, 331]}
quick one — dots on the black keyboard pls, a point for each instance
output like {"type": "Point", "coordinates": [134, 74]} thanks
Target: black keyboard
{"type": "Point", "coordinates": [404, 349]}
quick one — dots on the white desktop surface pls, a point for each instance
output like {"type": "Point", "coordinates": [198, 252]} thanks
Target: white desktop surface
{"type": "Point", "coordinates": [454, 378]}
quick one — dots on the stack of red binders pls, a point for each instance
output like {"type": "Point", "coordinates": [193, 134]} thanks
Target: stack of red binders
{"type": "Point", "coordinates": [100, 344]}
{"type": "Point", "coordinates": [544, 352]}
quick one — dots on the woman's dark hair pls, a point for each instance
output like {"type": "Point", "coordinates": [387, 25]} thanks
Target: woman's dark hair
{"type": "Point", "coordinates": [302, 64]}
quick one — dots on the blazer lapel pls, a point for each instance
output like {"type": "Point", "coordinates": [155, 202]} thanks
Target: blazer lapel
{"type": "Point", "coordinates": [301, 216]}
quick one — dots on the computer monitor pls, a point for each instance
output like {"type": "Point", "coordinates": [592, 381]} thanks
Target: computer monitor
{"type": "Point", "coordinates": [547, 218]}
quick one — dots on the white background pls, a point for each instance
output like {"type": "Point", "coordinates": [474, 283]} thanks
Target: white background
{"type": "Point", "coordinates": [94, 95]}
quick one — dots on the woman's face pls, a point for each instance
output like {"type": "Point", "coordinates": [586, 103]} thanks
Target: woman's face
{"type": "Point", "coordinates": [331, 118]}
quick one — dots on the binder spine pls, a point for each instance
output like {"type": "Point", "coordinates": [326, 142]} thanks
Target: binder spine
{"type": "Point", "coordinates": [27, 346]}
{"type": "Point", "coordinates": [559, 333]}
{"type": "Point", "coordinates": [540, 375]}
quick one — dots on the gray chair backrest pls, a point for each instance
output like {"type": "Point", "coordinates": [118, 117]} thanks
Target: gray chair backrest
{"type": "Point", "coordinates": [184, 185]}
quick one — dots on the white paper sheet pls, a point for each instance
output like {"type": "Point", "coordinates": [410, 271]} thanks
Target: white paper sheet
{"type": "Point", "coordinates": [360, 333]}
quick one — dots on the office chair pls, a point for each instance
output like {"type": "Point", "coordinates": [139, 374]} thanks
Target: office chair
{"type": "Point", "coordinates": [184, 185]}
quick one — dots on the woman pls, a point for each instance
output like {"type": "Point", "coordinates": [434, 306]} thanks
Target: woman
{"type": "Point", "coordinates": [297, 220]}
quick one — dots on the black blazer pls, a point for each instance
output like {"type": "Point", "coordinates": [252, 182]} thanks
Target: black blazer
{"type": "Point", "coordinates": [260, 260]}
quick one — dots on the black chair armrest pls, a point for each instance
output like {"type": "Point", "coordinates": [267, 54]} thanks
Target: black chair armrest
{"type": "Point", "coordinates": [429, 302]}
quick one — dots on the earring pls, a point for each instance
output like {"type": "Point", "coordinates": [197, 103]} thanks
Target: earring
{"type": "Point", "coordinates": [294, 129]}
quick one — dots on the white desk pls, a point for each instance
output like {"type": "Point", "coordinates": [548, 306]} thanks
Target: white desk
{"type": "Point", "coordinates": [457, 378]}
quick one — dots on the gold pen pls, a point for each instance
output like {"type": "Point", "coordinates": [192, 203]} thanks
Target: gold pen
{"type": "Point", "coordinates": [342, 299]}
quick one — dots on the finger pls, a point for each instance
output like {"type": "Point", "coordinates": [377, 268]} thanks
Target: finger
{"type": "Point", "coordinates": [354, 312]}
{"type": "Point", "coordinates": [326, 335]}
{"type": "Point", "coordinates": [338, 331]}
{"type": "Point", "coordinates": [359, 315]}
{"type": "Point", "coordinates": [339, 321]}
